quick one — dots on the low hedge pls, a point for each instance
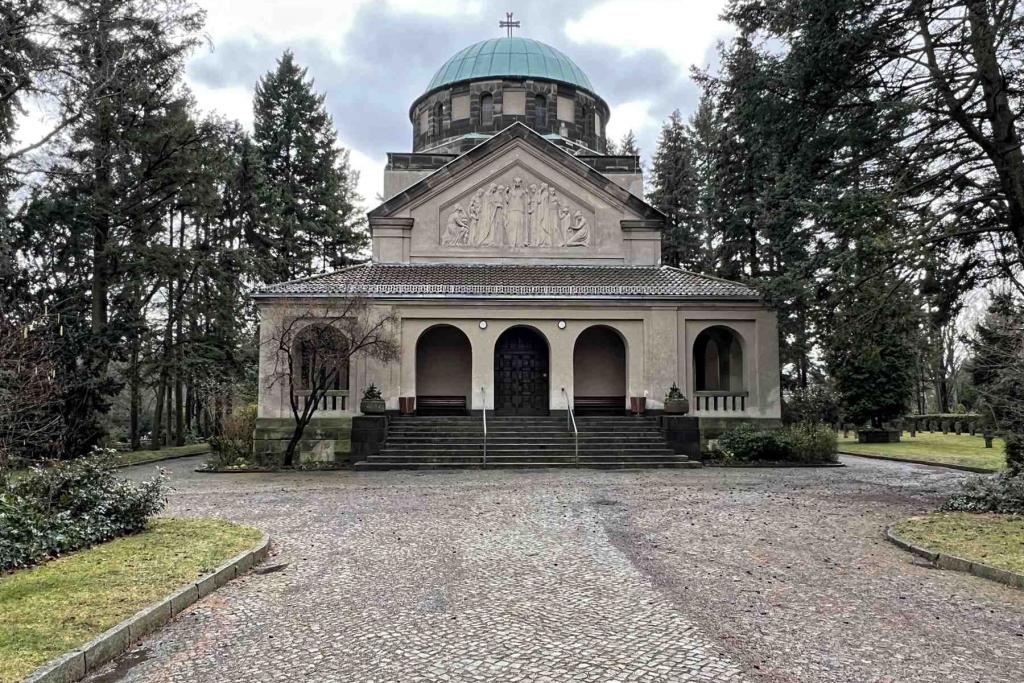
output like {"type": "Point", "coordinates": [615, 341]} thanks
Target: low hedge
{"type": "Point", "coordinates": [51, 510]}
{"type": "Point", "coordinates": [800, 443]}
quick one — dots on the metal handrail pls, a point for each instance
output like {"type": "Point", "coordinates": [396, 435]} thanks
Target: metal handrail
{"type": "Point", "coordinates": [570, 423]}
{"type": "Point", "coordinates": [483, 406]}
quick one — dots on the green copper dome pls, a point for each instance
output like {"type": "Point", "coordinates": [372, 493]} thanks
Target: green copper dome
{"type": "Point", "coordinates": [516, 57]}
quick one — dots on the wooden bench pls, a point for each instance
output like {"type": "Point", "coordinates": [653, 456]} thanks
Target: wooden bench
{"type": "Point", "coordinates": [441, 405]}
{"type": "Point", "coordinates": [599, 405]}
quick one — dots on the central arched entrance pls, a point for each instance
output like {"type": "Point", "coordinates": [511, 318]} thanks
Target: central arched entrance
{"type": "Point", "coordinates": [521, 373]}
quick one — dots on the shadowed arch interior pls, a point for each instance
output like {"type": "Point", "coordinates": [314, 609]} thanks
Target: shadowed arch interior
{"type": "Point", "coordinates": [444, 370]}
{"type": "Point", "coordinates": [599, 372]}
{"type": "Point", "coordinates": [718, 360]}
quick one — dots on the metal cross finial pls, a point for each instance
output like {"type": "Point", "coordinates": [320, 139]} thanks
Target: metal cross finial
{"type": "Point", "coordinates": [508, 23]}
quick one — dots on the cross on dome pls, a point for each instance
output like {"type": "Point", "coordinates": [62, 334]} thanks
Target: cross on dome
{"type": "Point", "coordinates": [507, 23]}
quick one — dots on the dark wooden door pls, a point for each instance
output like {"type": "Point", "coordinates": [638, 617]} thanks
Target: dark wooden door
{"type": "Point", "coordinates": [521, 373]}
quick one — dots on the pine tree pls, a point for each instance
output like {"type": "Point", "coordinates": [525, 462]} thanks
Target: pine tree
{"type": "Point", "coordinates": [628, 145]}
{"type": "Point", "coordinates": [673, 192]}
{"type": "Point", "coordinates": [310, 203]}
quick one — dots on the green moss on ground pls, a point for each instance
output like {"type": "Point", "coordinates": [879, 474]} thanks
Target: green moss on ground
{"type": "Point", "coordinates": [63, 604]}
{"type": "Point", "coordinates": [995, 540]}
{"type": "Point", "coordinates": [944, 449]}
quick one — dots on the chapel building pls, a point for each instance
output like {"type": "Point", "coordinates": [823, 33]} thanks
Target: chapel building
{"type": "Point", "coordinates": [525, 266]}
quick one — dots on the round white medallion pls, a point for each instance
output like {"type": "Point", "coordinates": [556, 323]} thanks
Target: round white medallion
{"type": "Point", "coordinates": [561, 324]}
{"type": "Point", "coordinates": [483, 324]}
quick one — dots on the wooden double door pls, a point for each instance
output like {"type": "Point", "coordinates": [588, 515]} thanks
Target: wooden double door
{"type": "Point", "coordinates": [521, 384]}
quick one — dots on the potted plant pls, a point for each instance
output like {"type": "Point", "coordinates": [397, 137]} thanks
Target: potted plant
{"type": "Point", "coordinates": [373, 401]}
{"type": "Point", "coordinates": [675, 402]}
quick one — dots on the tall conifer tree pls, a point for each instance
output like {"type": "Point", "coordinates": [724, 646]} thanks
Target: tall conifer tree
{"type": "Point", "coordinates": [310, 200]}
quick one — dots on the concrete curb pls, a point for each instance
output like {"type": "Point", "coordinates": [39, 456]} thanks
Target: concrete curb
{"type": "Point", "coordinates": [959, 564]}
{"type": "Point", "coordinates": [156, 460]}
{"type": "Point", "coordinates": [75, 665]}
{"type": "Point", "coordinates": [962, 468]}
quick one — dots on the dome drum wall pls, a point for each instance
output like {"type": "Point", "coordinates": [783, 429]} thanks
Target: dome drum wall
{"type": "Point", "coordinates": [448, 114]}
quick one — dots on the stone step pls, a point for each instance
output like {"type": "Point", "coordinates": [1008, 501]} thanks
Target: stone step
{"type": "Point", "coordinates": [513, 464]}
{"type": "Point", "coordinates": [525, 441]}
{"type": "Point", "coordinates": [387, 453]}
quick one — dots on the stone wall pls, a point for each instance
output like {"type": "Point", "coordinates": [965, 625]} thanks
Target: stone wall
{"type": "Point", "coordinates": [325, 441]}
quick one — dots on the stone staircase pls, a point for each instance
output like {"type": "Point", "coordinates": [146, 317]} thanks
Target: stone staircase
{"type": "Point", "coordinates": [454, 442]}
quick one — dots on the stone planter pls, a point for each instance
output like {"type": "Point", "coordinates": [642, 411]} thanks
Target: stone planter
{"type": "Point", "coordinates": [878, 436]}
{"type": "Point", "coordinates": [406, 405]}
{"type": "Point", "coordinates": [371, 406]}
{"type": "Point", "coordinates": [638, 405]}
{"type": "Point", "coordinates": [677, 406]}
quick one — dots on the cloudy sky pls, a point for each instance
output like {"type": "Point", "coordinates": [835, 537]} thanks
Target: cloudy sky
{"type": "Point", "coordinates": [373, 57]}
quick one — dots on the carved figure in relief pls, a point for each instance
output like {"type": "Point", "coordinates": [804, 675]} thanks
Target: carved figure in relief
{"type": "Point", "coordinates": [564, 221]}
{"type": "Point", "coordinates": [515, 215]}
{"type": "Point", "coordinates": [541, 217]}
{"type": "Point", "coordinates": [531, 206]}
{"type": "Point", "coordinates": [475, 207]}
{"type": "Point", "coordinates": [485, 238]}
{"type": "Point", "coordinates": [554, 225]}
{"type": "Point", "coordinates": [456, 233]}
{"type": "Point", "coordinates": [579, 231]}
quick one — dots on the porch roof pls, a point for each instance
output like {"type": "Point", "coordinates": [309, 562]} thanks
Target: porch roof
{"type": "Point", "coordinates": [413, 280]}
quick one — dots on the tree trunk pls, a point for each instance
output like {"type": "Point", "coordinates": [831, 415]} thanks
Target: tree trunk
{"type": "Point", "coordinates": [134, 438]}
{"type": "Point", "coordinates": [1007, 156]}
{"type": "Point", "coordinates": [156, 441]}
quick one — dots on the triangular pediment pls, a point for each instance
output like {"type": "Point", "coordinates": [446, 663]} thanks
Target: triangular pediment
{"type": "Point", "coordinates": [517, 197]}
{"type": "Point", "coordinates": [518, 136]}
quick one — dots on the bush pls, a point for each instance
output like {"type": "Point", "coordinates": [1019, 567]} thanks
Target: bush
{"type": "Point", "coordinates": [71, 505]}
{"type": "Point", "coordinates": [233, 446]}
{"type": "Point", "coordinates": [1003, 492]}
{"type": "Point", "coordinates": [803, 443]}
{"type": "Point", "coordinates": [814, 443]}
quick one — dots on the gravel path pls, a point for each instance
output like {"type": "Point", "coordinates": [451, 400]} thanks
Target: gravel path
{"type": "Point", "coordinates": [657, 575]}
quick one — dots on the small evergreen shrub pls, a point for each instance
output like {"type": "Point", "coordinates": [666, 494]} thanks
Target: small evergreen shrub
{"type": "Point", "coordinates": [233, 446]}
{"type": "Point", "coordinates": [1003, 492]}
{"type": "Point", "coordinates": [803, 443]}
{"type": "Point", "coordinates": [71, 505]}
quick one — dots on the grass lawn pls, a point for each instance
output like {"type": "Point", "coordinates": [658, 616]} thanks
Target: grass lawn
{"type": "Point", "coordinates": [995, 540]}
{"type": "Point", "coordinates": [62, 604]}
{"type": "Point", "coordinates": [946, 449]}
{"type": "Point", "coordinates": [142, 457]}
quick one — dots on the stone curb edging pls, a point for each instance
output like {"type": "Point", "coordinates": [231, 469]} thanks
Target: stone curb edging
{"type": "Point", "coordinates": [955, 563]}
{"type": "Point", "coordinates": [156, 460]}
{"type": "Point", "coordinates": [962, 468]}
{"type": "Point", "coordinates": [74, 665]}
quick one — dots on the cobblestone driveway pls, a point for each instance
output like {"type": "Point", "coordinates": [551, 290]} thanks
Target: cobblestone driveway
{"type": "Point", "coordinates": [659, 575]}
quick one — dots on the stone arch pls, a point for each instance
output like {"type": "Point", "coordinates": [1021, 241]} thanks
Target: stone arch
{"type": "Point", "coordinates": [718, 360]}
{"type": "Point", "coordinates": [540, 112]}
{"type": "Point", "coordinates": [438, 125]}
{"type": "Point", "coordinates": [522, 362]}
{"type": "Point", "coordinates": [444, 367]}
{"type": "Point", "coordinates": [599, 368]}
{"type": "Point", "coordinates": [486, 109]}
{"type": "Point", "coordinates": [321, 355]}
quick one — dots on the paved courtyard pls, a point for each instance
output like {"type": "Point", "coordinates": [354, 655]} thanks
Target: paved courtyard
{"type": "Point", "coordinates": [658, 575]}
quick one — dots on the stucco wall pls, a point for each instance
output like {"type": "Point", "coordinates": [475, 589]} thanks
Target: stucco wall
{"type": "Point", "coordinates": [658, 337]}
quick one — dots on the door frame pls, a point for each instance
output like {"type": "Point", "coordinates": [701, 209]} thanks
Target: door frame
{"type": "Point", "coordinates": [545, 349]}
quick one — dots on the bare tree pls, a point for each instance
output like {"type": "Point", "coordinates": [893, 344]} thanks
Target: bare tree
{"type": "Point", "coordinates": [30, 397]}
{"type": "Point", "coordinates": [312, 351]}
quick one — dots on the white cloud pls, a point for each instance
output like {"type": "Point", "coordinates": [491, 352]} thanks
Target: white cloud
{"type": "Point", "coordinates": [371, 177]}
{"type": "Point", "coordinates": [682, 29]}
{"type": "Point", "coordinates": [233, 102]}
{"type": "Point", "coordinates": [630, 116]}
{"type": "Point", "coordinates": [280, 21]}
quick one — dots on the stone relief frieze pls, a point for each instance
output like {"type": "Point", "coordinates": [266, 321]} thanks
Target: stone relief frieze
{"type": "Point", "coordinates": [516, 213]}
